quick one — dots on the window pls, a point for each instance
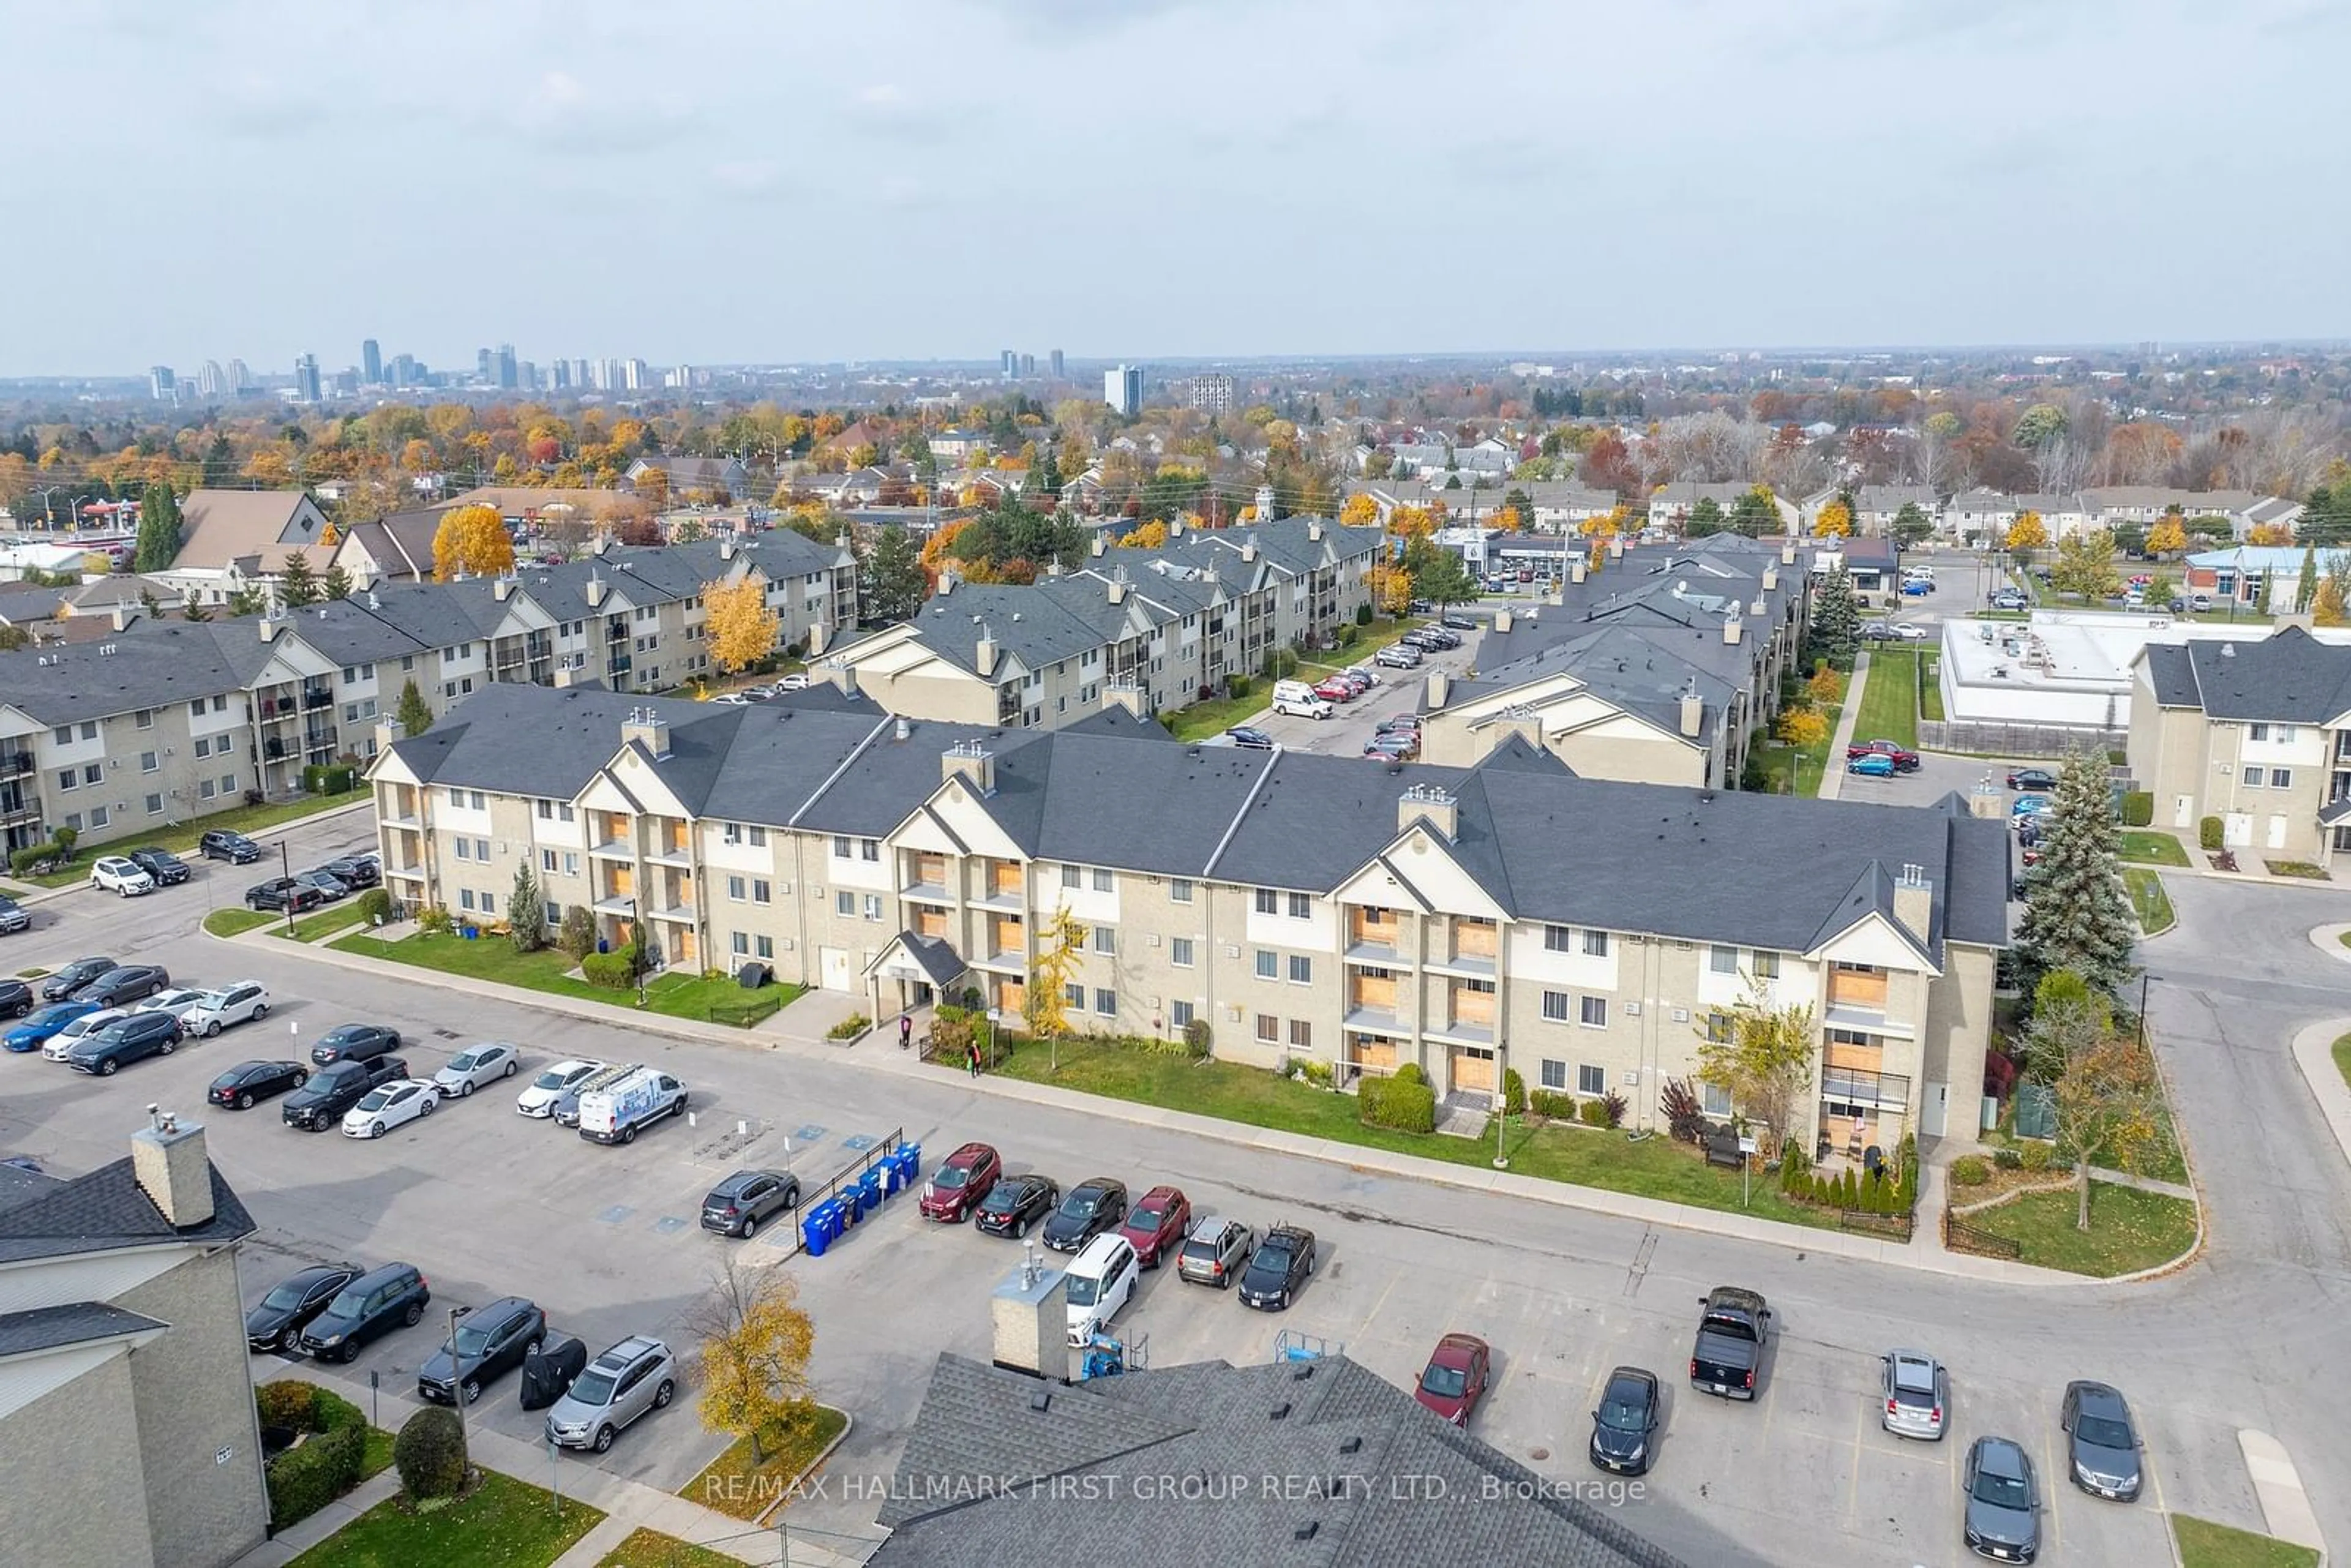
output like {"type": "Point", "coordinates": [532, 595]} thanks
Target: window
{"type": "Point", "coordinates": [1850, 1037]}
{"type": "Point", "coordinates": [759, 838]}
{"type": "Point", "coordinates": [99, 815]}
{"type": "Point", "coordinates": [1596, 944]}
{"type": "Point", "coordinates": [154, 805]}
{"type": "Point", "coordinates": [1722, 960]}
{"type": "Point", "coordinates": [1590, 1079]}
{"type": "Point", "coordinates": [730, 833]}
{"type": "Point", "coordinates": [1553, 1074]}
{"type": "Point", "coordinates": [92, 773]}
{"type": "Point", "coordinates": [1302, 969]}
{"type": "Point", "coordinates": [481, 846]}
{"type": "Point", "coordinates": [490, 903]}
{"type": "Point", "coordinates": [2283, 735]}
{"type": "Point", "coordinates": [2258, 732]}
{"type": "Point", "coordinates": [762, 891]}
{"type": "Point", "coordinates": [1105, 1002]}
{"type": "Point", "coordinates": [1717, 1027]}
{"type": "Point", "coordinates": [1105, 939]}
{"type": "Point", "coordinates": [763, 947]}
{"type": "Point", "coordinates": [840, 850]}
{"type": "Point", "coordinates": [2281, 777]}
{"type": "Point", "coordinates": [1555, 1008]}
{"type": "Point", "coordinates": [2254, 777]}
{"type": "Point", "coordinates": [196, 708]}
{"type": "Point", "coordinates": [869, 849]}
{"type": "Point", "coordinates": [563, 812]}
{"type": "Point", "coordinates": [1301, 1035]}
{"type": "Point", "coordinates": [473, 799]}
{"type": "Point", "coordinates": [465, 898]}
{"type": "Point", "coordinates": [1269, 1029]}
{"type": "Point", "coordinates": [547, 860]}
{"type": "Point", "coordinates": [552, 913]}
{"type": "Point", "coordinates": [1592, 1013]}
{"type": "Point", "coordinates": [68, 778]}
{"type": "Point", "coordinates": [1179, 952]}
{"type": "Point", "coordinates": [1300, 906]}
{"type": "Point", "coordinates": [73, 821]}
{"type": "Point", "coordinates": [1268, 900]}
{"type": "Point", "coordinates": [845, 902]}
{"type": "Point", "coordinates": [1179, 890]}
{"type": "Point", "coordinates": [1714, 1100]}
{"type": "Point", "coordinates": [1180, 1015]}
{"type": "Point", "coordinates": [739, 944]}
{"type": "Point", "coordinates": [570, 864]}
{"type": "Point", "coordinates": [1767, 965]}
{"type": "Point", "coordinates": [204, 745]}
{"type": "Point", "coordinates": [204, 787]}
{"type": "Point", "coordinates": [149, 762]}
{"type": "Point", "coordinates": [546, 811]}
{"type": "Point", "coordinates": [464, 848]}
{"type": "Point", "coordinates": [90, 729]}
{"type": "Point", "coordinates": [737, 889]}
{"type": "Point", "coordinates": [1075, 996]}
{"type": "Point", "coordinates": [145, 718]}
{"type": "Point", "coordinates": [874, 906]}
{"type": "Point", "coordinates": [1559, 939]}
{"type": "Point", "coordinates": [228, 783]}
{"type": "Point", "coordinates": [1269, 965]}
{"type": "Point", "coordinates": [1104, 881]}
{"type": "Point", "coordinates": [63, 735]}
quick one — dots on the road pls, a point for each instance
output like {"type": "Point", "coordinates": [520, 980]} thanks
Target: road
{"type": "Point", "coordinates": [487, 1202]}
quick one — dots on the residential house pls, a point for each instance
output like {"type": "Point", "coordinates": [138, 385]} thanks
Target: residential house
{"type": "Point", "coordinates": [1989, 513]}
{"type": "Point", "coordinates": [1874, 507]}
{"type": "Point", "coordinates": [126, 1406]}
{"type": "Point", "coordinates": [31, 608]}
{"type": "Point", "coordinates": [529, 509]}
{"type": "Point", "coordinates": [1670, 504]}
{"type": "Point", "coordinates": [2255, 731]}
{"type": "Point", "coordinates": [396, 547]}
{"type": "Point", "coordinates": [236, 539]}
{"type": "Point", "coordinates": [1468, 919]}
{"type": "Point", "coordinates": [960, 445]}
{"type": "Point", "coordinates": [1001, 1471]}
{"type": "Point", "coordinates": [2112, 505]}
{"type": "Point", "coordinates": [712, 479]}
{"type": "Point", "coordinates": [1562, 506]}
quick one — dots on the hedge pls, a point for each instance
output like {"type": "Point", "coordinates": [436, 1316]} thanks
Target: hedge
{"type": "Point", "coordinates": [329, 778]}
{"type": "Point", "coordinates": [1552, 1105]}
{"type": "Point", "coordinates": [1398, 1103]}
{"type": "Point", "coordinates": [2138, 807]}
{"type": "Point", "coordinates": [613, 970]}
{"type": "Point", "coordinates": [22, 861]}
{"type": "Point", "coordinates": [306, 1478]}
{"type": "Point", "coordinates": [375, 906]}
{"type": "Point", "coordinates": [1969, 1170]}
{"type": "Point", "coordinates": [2208, 832]}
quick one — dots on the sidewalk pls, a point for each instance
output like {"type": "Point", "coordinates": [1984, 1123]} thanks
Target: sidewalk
{"type": "Point", "coordinates": [1833, 767]}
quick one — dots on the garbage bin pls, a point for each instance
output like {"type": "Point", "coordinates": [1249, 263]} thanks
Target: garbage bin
{"type": "Point", "coordinates": [869, 1188]}
{"type": "Point", "coordinates": [853, 1205]}
{"type": "Point", "coordinates": [829, 1214]}
{"type": "Point", "coordinates": [473, 932]}
{"type": "Point", "coordinates": [909, 1157]}
{"type": "Point", "coordinates": [892, 1178]}
{"type": "Point", "coordinates": [813, 1237]}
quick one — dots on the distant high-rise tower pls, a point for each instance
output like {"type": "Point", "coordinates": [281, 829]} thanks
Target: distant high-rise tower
{"type": "Point", "coordinates": [509, 372]}
{"type": "Point", "coordinates": [1123, 389]}
{"type": "Point", "coordinates": [485, 365]}
{"type": "Point", "coordinates": [1028, 366]}
{"type": "Point", "coordinates": [240, 379]}
{"type": "Point", "coordinates": [1211, 393]}
{"type": "Point", "coordinates": [305, 379]}
{"type": "Point", "coordinates": [211, 380]}
{"type": "Point", "coordinates": [1058, 370]}
{"type": "Point", "coordinates": [162, 385]}
{"type": "Point", "coordinates": [562, 375]}
{"type": "Point", "coordinates": [1011, 364]}
{"type": "Point", "coordinates": [404, 371]}
{"type": "Point", "coordinates": [371, 364]}
{"type": "Point", "coordinates": [633, 375]}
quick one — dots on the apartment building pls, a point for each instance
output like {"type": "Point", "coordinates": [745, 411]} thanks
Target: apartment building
{"type": "Point", "coordinates": [2255, 731]}
{"type": "Point", "coordinates": [1670, 505]}
{"type": "Point", "coordinates": [1470, 919]}
{"type": "Point", "coordinates": [1150, 629]}
{"type": "Point", "coordinates": [1874, 507]}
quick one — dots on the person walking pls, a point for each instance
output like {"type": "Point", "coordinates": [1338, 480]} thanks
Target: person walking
{"type": "Point", "coordinates": [971, 1057]}
{"type": "Point", "coordinates": [905, 1030]}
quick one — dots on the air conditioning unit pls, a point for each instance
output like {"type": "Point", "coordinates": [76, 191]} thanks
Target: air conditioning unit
{"type": "Point", "coordinates": [1232, 1014]}
{"type": "Point", "coordinates": [1681, 1015]}
{"type": "Point", "coordinates": [783, 887]}
{"type": "Point", "coordinates": [1632, 1009]}
{"type": "Point", "coordinates": [785, 943]}
{"type": "Point", "coordinates": [1232, 952]}
{"type": "Point", "coordinates": [1155, 942]}
{"type": "Point", "coordinates": [1631, 1075]}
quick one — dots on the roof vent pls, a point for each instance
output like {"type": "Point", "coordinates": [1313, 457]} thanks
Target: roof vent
{"type": "Point", "coordinates": [1281, 1411]}
{"type": "Point", "coordinates": [2228, 650]}
{"type": "Point", "coordinates": [1305, 1531]}
{"type": "Point", "coordinates": [1302, 1372]}
{"type": "Point", "coordinates": [1041, 1401]}
{"type": "Point", "coordinates": [1352, 1446]}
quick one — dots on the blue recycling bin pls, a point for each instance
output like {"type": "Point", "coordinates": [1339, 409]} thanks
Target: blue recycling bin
{"type": "Point", "coordinates": [893, 1177]}
{"type": "Point", "coordinates": [828, 1217]}
{"type": "Point", "coordinates": [813, 1237]}
{"type": "Point", "coordinates": [869, 1188]}
{"type": "Point", "coordinates": [910, 1164]}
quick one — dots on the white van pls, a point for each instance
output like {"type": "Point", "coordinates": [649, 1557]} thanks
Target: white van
{"type": "Point", "coordinates": [1298, 697]}
{"type": "Point", "coordinates": [1099, 1282]}
{"type": "Point", "coordinates": [613, 1114]}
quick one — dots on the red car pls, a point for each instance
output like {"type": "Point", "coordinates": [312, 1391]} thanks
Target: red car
{"type": "Point", "coordinates": [1157, 1224]}
{"type": "Point", "coordinates": [1903, 761]}
{"type": "Point", "coordinates": [1336, 690]}
{"type": "Point", "coordinates": [1456, 1378]}
{"type": "Point", "coordinates": [962, 1180]}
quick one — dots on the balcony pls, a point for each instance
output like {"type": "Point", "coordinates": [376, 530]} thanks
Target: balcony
{"type": "Point", "coordinates": [1371, 1003]}
{"type": "Point", "coordinates": [273, 750]}
{"type": "Point", "coordinates": [676, 914]}
{"type": "Point", "coordinates": [612, 850]}
{"type": "Point", "coordinates": [621, 904]}
{"type": "Point", "coordinates": [16, 764]}
{"type": "Point", "coordinates": [21, 811]}
{"type": "Point", "coordinates": [316, 696]}
{"type": "Point", "coordinates": [1006, 888]}
{"type": "Point", "coordinates": [1847, 1086]}
{"type": "Point", "coordinates": [675, 856]}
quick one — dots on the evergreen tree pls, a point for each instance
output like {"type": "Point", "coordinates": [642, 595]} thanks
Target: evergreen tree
{"type": "Point", "coordinates": [337, 583]}
{"type": "Point", "coordinates": [194, 610]}
{"type": "Point", "coordinates": [414, 713]}
{"type": "Point", "coordinates": [220, 462]}
{"type": "Point", "coordinates": [2076, 915]}
{"type": "Point", "coordinates": [527, 912]}
{"type": "Point", "coordinates": [298, 585]}
{"type": "Point", "coordinates": [1704, 518]}
{"type": "Point", "coordinates": [247, 601]}
{"type": "Point", "coordinates": [894, 584]}
{"type": "Point", "coordinates": [2308, 588]}
{"type": "Point", "coordinates": [1045, 478]}
{"type": "Point", "coordinates": [1836, 616]}
{"type": "Point", "coordinates": [158, 529]}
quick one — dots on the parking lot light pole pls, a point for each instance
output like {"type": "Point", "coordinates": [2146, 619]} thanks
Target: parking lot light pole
{"type": "Point", "coordinates": [286, 870]}
{"type": "Point", "coordinates": [457, 1372]}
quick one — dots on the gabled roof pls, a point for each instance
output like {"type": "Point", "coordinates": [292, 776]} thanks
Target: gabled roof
{"type": "Point", "coordinates": [75, 1323]}
{"type": "Point", "coordinates": [219, 526]}
{"type": "Point", "coordinates": [2289, 677]}
{"type": "Point", "coordinates": [107, 1210]}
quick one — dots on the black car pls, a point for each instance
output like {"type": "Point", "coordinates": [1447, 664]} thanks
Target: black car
{"type": "Point", "coordinates": [235, 848]}
{"type": "Point", "coordinates": [1250, 738]}
{"type": "Point", "coordinates": [354, 1043]}
{"type": "Point", "coordinates": [279, 1318]}
{"type": "Point", "coordinates": [375, 1304]}
{"type": "Point", "coordinates": [1094, 1206]}
{"type": "Point", "coordinates": [744, 1201]}
{"type": "Point", "coordinates": [1626, 1421]}
{"type": "Point", "coordinates": [354, 872]}
{"type": "Point", "coordinates": [73, 978]}
{"type": "Point", "coordinates": [320, 1104]}
{"type": "Point", "coordinates": [489, 1342]}
{"type": "Point", "coordinates": [2101, 1445]}
{"type": "Point", "coordinates": [167, 868]}
{"type": "Point", "coordinates": [126, 1039]}
{"type": "Point", "coordinates": [1280, 1267]}
{"type": "Point", "coordinates": [13, 917]}
{"type": "Point", "coordinates": [17, 999]}
{"type": "Point", "coordinates": [241, 1085]}
{"type": "Point", "coordinates": [285, 893]}
{"type": "Point", "coordinates": [125, 983]}
{"type": "Point", "coordinates": [1457, 623]}
{"type": "Point", "coordinates": [330, 887]}
{"type": "Point", "coordinates": [2032, 779]}
{"type": "Point", "coordinates": [1015, 1203]}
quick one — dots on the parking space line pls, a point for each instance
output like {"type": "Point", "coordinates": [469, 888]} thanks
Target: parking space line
{"type": "Point", "coordinates": [1853, 1488]}
{"type": "Point", "coordinates": [2055, 1486]}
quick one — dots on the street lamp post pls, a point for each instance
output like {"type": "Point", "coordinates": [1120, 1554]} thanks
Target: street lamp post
{"type": "Point", "coordinates": [457, 1372]}
{"type": "Point", "coordinates": [286, 870]}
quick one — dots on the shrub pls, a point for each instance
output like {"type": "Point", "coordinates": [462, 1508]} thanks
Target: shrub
{"type": "Point", "coordinates": [2008, 1159]}
{"type": "Point", "coordinates": [1795, 1169]}
{"type": "Point", "coordinates": [2208, 832]}
{"type": "Point", "coordinates": [375, 906]}
{"type": "Point", "coordinates": [1684, 1118]}
{"type": "Point", "coordinates": [1237, 685]}
{"type": "Point", "coordinates": [1514, 1093]}
{"type": "Point", "coordinates": [1592, 1113]}
{"type": "Point", "coordinates": [67, 839]}
{"type": "Point", "coordinates": [1198, 1037]}
{"type": "Point", "coordinates": [288, 1402]}
{"type": "Point", "coordinates": [303, 1480]}
{"type": "Point", "coordinates": [1318, 1073]}
{"type": "Point", "coordinates": [431, 1454]}
{"type": "Point", "coordinates": [1906, 1157]}
{"type": "Point", "coordinates": [1402, 1104]}
{"type": "Point", "coordinates": [849, 1028]}
{"type": "Point", "coordinates": [613, 970]}
{"type": "Point", "coordinates": [1969, 1170]}
{"type": "Point", "coordinates": [577, 936]}
{"type": "Point", "coordinates": [2000, 1074]}
{"type": "Point", "coordinates": [2138, 807]}
{"type": "Point", "coordinates": [2035, 1155]}
{"type": "Point", "coordinates": [1552, 1105]}
{"type": "Point", "coordinates": [329, 778]}
{"type": "Point", "coordinates": [1613, 1103]}
{"type": "Point", "coordinates": [1410, 1073]}
{"type": "Point", "coordinates": [23, 861]}
{"type": "Point", "coordinates": [434, 920]}
{"type": "Point", "coordinates": [1363, 614]}
{"type": "Point", "coordinates": [1347, 635]}
{"type": "Point", "coordinates": [1849, 1194]}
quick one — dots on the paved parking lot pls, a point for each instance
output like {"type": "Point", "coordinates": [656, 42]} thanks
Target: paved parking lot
{"type": "Point", "coordinates": [1344, 733]}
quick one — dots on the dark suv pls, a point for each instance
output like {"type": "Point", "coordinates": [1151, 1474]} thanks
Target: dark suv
{"type": "Point", "coordinates": [1093, 1206]}
{"type": "Point", "coordinates": [289, 894]}
{"type": "Point", "coordinates": [354, 1043]}
{"type": "Point", "coordinates": [371, 1306]}
{"type": "Point", "coordinates": [119, 986]}
{"type": "Point", "coordinates": [126, 1039]}
{"type": "Point", "coordinates": [64, 982]}
{"type": "Point", "coordinates": [235, 848]}
{"type": "Point", "coordinates": [354, 872]}
{"type": "Point", "coordinates": [166, 868]}
{"type": "Point", "coordinates": [489, 1342]}
{"type": "Point", "coordinates": [320, 1104]}
{"type": "Point", "coordinates": [743, 1202]}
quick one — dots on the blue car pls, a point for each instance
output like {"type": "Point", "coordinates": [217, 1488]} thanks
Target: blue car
{"type": "Point", "coordinates": [1872, 765]}
{"type": "Point", "coordinates": [2029, 805]}
{"type": "Point", "coordinates": [1917, 589]}
{"type": "Point", "coordinates": [36, 1030]}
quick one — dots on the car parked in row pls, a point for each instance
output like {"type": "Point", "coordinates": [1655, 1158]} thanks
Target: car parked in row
{"type": "Point", "coordinates": [1216, 1252]}
{"type": "Point", "coordinates": [1015, 1203]}
{"type": "Point", "coordinates": [354, 1043]}
{"type": "Point", "coordinates": [634, 1376]}
{"type": "Point", "coordinates": [241, 1002]}
{"type": "Point", "coordinates": [1455, 1378]}
{"type": "Point", "coordinates": [2000, 1517]}
{"type": "Point", "coordinates": [177, 1001]}
{"type": "Point", "coordinates": [134, 1037]}
{"type": "Point", "coordinates": [486, 1062]}
{"type": "Point", "coordinates": [1279, 1269]}
{"type": "Point", "coordinates": [62, 983]}
{"type": "Point", "coordinates": [962, 1180]}
{"type": "Point", "coordinates": [490, 1342]}
{"type": "Point", "coordinates": [1917, 1395]}
{"type": "Point", "coordinates": [2102, 1443]}
{"type": "Point", "coordinates": [248, 1081]}
{"type": "Point", "coordinates": [125, 983]}
{"type": "Point", "coordinates": [1098, 1282]}
{"type": "Point", "coordinates": [16, 1000]}
{"type": "Point", "coordinates": [1093, 1206]}
{"type": "Point", "coordinates": [355, 872]}
{"type": "Point", "coordinates": [2031, 778]}
{"type": "Point", "coordinates": [538, 1099]}
{"type": "Point", "coordinates": [1394, 746]}
{"type": "Point", "coordinates": [120, 874]}
{"type": "Point", "coordinates": [293, 1303]}
{"type": "Point", "coordinates": [746, 1200]}
{"type": "Point", "coordinates": [62, 1043]}
{"type": "Point", "coordinates": [328, 886]}
{"type": "Point", "coordinates": [390, 1104]}
{"type": "Point", "coordinates": [1905, 760]}
{"type": "Point", "coordinates": [1869, 765]}
{"type": "Point", "coordinates": [380, 1301]}
{"type": "Point", "coordinates": [1399, 656]}
{"type": "Point", "coordinates": [1157, 1224]}
{"type": "Point", "coordinates": [288, 894]}
{"type": "Point", "coordinates": [1249, 738]}
{"type": "Point", "coordinates": [219, 844]}
{"type": "Point", "coordinates": [13, 916]}
{"type": "Point", "coordinates": [167, 868]}
{"type": "Point", "coordinates": [335, 1089]}
{"type": "Point", "coordinates": [1625, 1424]}
{"type": "Point", "coordinates": [39, 1024]}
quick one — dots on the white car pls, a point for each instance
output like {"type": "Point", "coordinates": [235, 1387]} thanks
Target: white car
{"type": "Point", "coordinates": [790, 684]}
{"type": "Point", "coordinates": [61, 1044]}
{"type": "Point", "coordinates": [112, 873]}
{"type": "Point", "coordinates": [240, 1002]}
{"type": "Point", "coordinates": [545, 1090]}
{"type": "Point", "coordinates": [179, 1003]}
{"type": "Point", "coordinates": [1907, 632]}
{"type": "Point", "coordinates": [476, 1065]}
{"type": "Point", "coordinates": [387, 1106]}
{"type": "Point", "coordinates": [731, 699]}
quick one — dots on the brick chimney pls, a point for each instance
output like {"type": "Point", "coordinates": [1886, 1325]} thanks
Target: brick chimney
{"type": "Point", "coordinates": [168, 1161]}
{"type": "Point", "coordinates": [388, 733]}
{"type": "Point", "coordinates": [1914, 902]}
{"type": "Point", "coordinates": [1430, 804]}
{"type": "Point", "coordinates": [648, 729]}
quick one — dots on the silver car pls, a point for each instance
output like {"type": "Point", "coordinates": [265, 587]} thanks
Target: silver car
{"type": "Point", "coordinates": [486, 1062]}
{"type": "Point", "coordinates": [635, 1376]}
{"type": "Point", "coordinates": [2002, 1518]}
{"type": "Point", "coordinates": [1917, 1393]}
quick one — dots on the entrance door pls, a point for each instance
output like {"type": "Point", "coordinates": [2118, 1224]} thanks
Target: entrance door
{"type": "Point", "coordinates": [832, 969]}
{"type": "Point", "coordinates": [1932, 1113]}
{"type": "Point", "coordinates": [2237, 829]}
{"type": "Point", "coordinates": [2277, 832]}
{"type": "Point", "coordinates": [1473, 1069]}
{"type": "Point", "coordinates": [2183, 810]}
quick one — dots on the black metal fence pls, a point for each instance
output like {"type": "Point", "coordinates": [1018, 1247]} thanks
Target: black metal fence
{"type": "Point", "coordinates": [1900, 1227]}
{"type": "Point", "coordinates": [1959, 1236]}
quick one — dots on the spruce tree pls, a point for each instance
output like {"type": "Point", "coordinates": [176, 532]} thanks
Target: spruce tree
{"type": "Point", "coordinates": [1836, 616]}
{"type": "Point", "coordinates": [414, 713]}
{"type": "Point", "coordinates": [336, 584]}
{"type": "Point", "coordinates": [2076, 915]}
{"type": "Point", "coordinates": [158, 529]}
{"type": "Point", "coordinates": [298, 585]}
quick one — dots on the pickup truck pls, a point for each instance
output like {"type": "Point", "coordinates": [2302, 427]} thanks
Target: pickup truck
{"type": "Point", "coordinates": [1733, 1327]}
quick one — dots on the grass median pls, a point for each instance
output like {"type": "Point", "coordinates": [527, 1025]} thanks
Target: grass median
{"type": "Point", "coordinates": [651, 1548]}
{"type": "Point", "coordinates": [735, 1485]}
{"type": "Point", "coordinates": [325, 922]}
{"type": "Point", "coordinates": [502, 1523]}
{"type": "Point", "coordinates": [237, 922]}
{"type": "Point", "coordinates": [494, 959]}
{"type": "Point", "coordinates": [2152, 905]}
{"type": "Point", "coordinates": [2152, 848]}
{"type": "Point", "coordinates": [1889, 698]}
{"type": "Point", "coordinates": [1583, 1156]}
{"type": "Point", "coordinates": [2129, 1229]}
{"type": "Point", "coordinates": [181, 838]}
{"type": "Point", "coordinates": [2204, 1544]}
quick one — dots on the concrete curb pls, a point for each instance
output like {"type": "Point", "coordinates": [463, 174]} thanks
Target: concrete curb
{"type": "Point", "coordinates": [2313, 1055]}
{"type": "Point", "coordinates": [2328, 940]}
{"type": "Point", "coordinates": [848, 1424]}
{"type": "Point", "coordinates": [2277, 1485]}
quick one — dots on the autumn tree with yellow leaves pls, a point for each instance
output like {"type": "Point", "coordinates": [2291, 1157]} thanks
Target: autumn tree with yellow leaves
{"type": "Point", "coordinates": [1061, 944]}
{"type": "Point", "coordinates": [473, 540]}
{"type": "Point", "coordinates": [755, 1345]}
{"type": "Point", "coordinates": [2027, 534]}
{"type": "Point", "coordinates": [738, 624]}
{"type": "Point", "coordinates": [2166, 538]}
{"type": "Point", "coordinates": [1391, 589]}
{"type": "Point", "coordinates": [1835, 522]}
{"type": "Point", "coordinates": [1359, 511]}
{"type": "Point", "coordinates": [1152, 535]}
{"type": "Point", "coordinates": [1412, 523]}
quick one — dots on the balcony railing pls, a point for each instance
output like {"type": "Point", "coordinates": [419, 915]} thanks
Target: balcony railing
{"type": "Point", "coordinates": [316, 696]}
{"type": "Point", "coordinates": [1853, 1086]}
{"type": "Point", "coordinates": [16, 764]}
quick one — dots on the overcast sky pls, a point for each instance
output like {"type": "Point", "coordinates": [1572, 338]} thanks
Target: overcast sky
{"type": "Point", "coordinates": [784, 181]}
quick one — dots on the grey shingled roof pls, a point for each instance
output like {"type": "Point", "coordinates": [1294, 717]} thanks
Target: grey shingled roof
{"type": "Point", "coordinates": [77, 1322]}
{"type": "Point", "coordinates": [2171, 674]}
{"type": "Point", "coordinates": [152, 665]}
{"type": "Point", "coordinates": [980, 1423]}
{"type": "Point", "coordinates": [2289, 677]}
{"type": "Point", "coordinates": [107, 1210]}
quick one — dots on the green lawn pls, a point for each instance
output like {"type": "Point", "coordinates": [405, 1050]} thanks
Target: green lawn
{"type": "Point", "coordinates": [1203, 721]}
{"type": "Point", "coordinates": [2148, 897]}
{"type": "Point", "coordinates": [378, 1452]}
{"type": "Point", "coordinates": [1930, 684]}
{"type": "Point", "coordinates": [232, 922]}
{"type": "Point", "coordinates": [335, 917]}
{"type": "Point", "coordinates": [2203, 1545]}
{"type": "Point", "coordinates": [2129, 1229]}
{"type": "Point", "coordinates": [2343, 1059]}
{"type": "Point", "coordinates": [181, 839]}
{"type": "Point", "coordinates": [652, 1549]}
{"type": "Point", "coordinates": [2157, 849]}
{"type": "Point", "coordinates": [1653, 1167]}
{"type": "Point", "coordinates": [505, 1523]}
{"type": "Point", "coordinates": [1889, 698]}
{"type": "Point", "coordinates": [735, 1486]}
{"type": "Point", "coordinates": [495, 958]}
